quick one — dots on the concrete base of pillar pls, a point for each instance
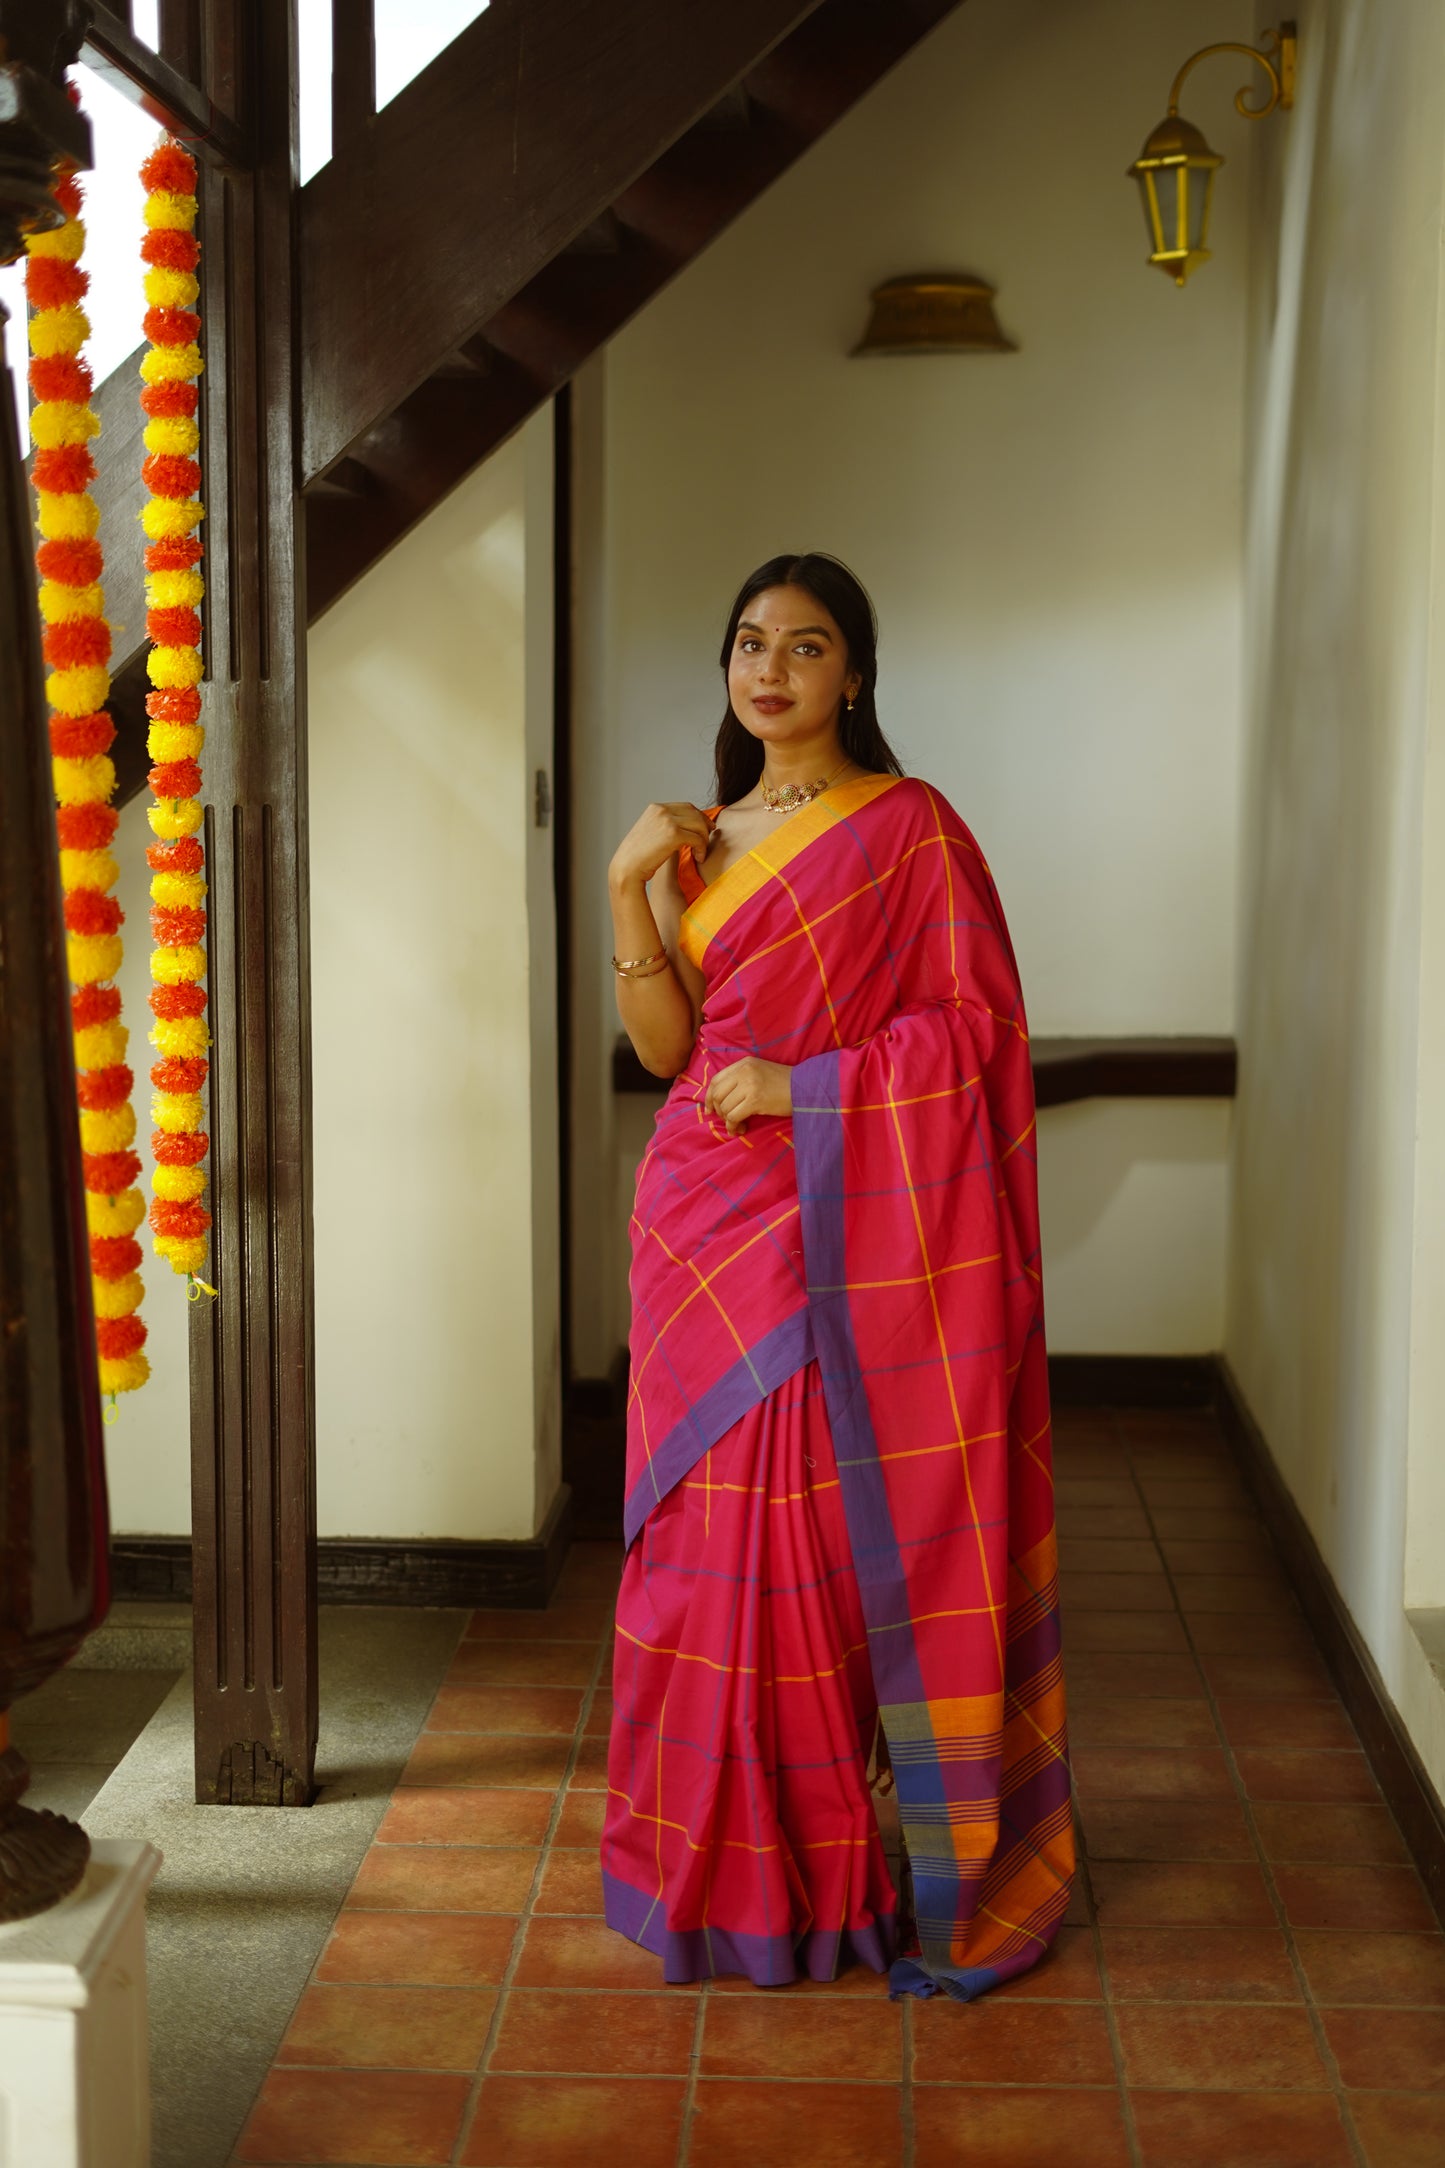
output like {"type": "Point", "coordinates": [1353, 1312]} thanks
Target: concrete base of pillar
{"type": "Point", "coordinates": [74, 2077]}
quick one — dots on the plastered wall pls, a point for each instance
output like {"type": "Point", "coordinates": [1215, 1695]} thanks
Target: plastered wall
{"type": "Point", "coordinates": [1053, 539]}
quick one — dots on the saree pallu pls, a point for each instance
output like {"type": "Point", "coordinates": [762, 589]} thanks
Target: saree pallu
{"type": "Point", "coordinates": [882, 1244]}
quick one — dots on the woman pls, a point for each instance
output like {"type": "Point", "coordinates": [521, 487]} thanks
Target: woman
{"type": "Point", "coordinates": [839, 1503]}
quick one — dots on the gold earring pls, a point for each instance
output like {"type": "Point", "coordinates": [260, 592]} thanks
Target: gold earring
{"type": "Point", "coordinates": [850, 707]}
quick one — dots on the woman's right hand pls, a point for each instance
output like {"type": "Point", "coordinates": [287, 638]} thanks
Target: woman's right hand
{"type": "Point", "coordinates": [656, 835]}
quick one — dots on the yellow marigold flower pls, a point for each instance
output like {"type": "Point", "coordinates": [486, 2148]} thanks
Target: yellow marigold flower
{"type": "Point", "coordinates": [170, 289]}
{"type": "Point", "coordinates": [163, 518]}
{"type": "Point", "coordinates": [178, 891]}
{"type": "Point", "coordinates": [65, 241]}
{"type": "Point", "coordinates": [160, 363]}
{"type": "Point", "coordinates": [92, 957]}
{"type": "Point", "coordinates": [178, 1113]}
{"type": "Point", "coordinates": [123, 1373]}
{"type": "Point", "coordinates": [79, 691]}
{"type": "Point", "coordinates": [107, 1129]}
{"type": "Point", "coordinates": [180, 1038]}
{"type": "Point", "coordinates": [78, 782]}
{"type": "Point", "coordinates": [58, 601]}
{"type": "Point", "coordinates": [175, 741]}
{"type": "Point", "coordinates": [71, 517]}
{"type": "Point", "coordinates": [178, 1185]}
{"type": "Point", "coordinates": [114, 1215]}
{"type": "Point", "coordinates": [163, 208]}
{"type": "Point", "coordinates": [175, 590]}
{"type": "Point", "coordinates": [168, 666]}
{"type": "Point", "coordinates": [117, 1298]}
{"type": "Point", "coordinates": [177, 817]}
{"type": "Point", "coordinates": [59, 331]}
{"type": "Point", "coordinates": [176, 433]}
{"type": "Point", "coordinates": [88, 869]}
{"type": "Point", "coordinates": [183, 1253]}
{"type": "Point", "coordinates": [61, 421]}
{"type": "Point", "coordinates": [178, 966]}
{"type": "Point", "coordinates": [100, 1046]}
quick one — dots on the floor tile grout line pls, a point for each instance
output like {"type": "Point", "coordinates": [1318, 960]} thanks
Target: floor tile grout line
{"type": "Point", "coordinates": [694, 2072]}
{"type": "Point", "coordinates": [524, 1916]}
{"type": "Point", "coordinates": [1266, 1868]}
{"type": "Point", "coordinates": [1111, 2017]}
{"type": "Point", "coordinates": [906, 2107]}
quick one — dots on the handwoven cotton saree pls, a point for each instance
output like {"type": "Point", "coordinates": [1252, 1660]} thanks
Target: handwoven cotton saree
{"type": "Point", "coordinates": [839, 1493]}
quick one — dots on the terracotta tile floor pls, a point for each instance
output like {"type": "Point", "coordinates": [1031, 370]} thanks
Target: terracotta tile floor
{"type": "Point", "coordinates": [1251, 1976]}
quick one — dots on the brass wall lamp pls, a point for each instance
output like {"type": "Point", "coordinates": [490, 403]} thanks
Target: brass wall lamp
{"type": "Point", "coordinates": [1176, 168]}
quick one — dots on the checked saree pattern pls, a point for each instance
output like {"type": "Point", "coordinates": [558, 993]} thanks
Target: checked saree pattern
{"type": "Point", "coordinates": [888, 1235]}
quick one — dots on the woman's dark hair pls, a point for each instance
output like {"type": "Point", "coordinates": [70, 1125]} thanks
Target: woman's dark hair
{"type": "Point", "coordinates": [738, 755]}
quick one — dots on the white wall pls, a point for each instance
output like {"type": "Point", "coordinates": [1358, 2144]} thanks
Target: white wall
{"type": "Point", "coordinates": [431, 947]}
{"type": "Point", "coordinates": [434, 1000]}
{"type": "Point", "coordinates": [1053, 542]}
{"type": "Point", "coordinates": [1335, 1298]}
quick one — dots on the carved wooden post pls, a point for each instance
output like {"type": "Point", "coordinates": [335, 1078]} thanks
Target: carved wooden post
{"type": "Point", "coordinates": [52, 1478]}
{"type": "Point", "coordinates": [253, 1480]}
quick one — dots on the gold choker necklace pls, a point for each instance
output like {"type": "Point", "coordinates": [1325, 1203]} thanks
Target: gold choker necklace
{"type": "Point", "coordinates": [787, 797]}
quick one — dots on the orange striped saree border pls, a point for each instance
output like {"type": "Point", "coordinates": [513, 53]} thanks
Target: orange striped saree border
{"type": "Point", "coordinates": [705, 917]}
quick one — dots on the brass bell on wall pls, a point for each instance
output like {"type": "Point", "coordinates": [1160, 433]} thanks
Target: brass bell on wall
{"type": "Point", "coordinates": [934, 313]}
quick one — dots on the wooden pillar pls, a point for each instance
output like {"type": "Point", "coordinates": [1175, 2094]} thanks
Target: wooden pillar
{"type": "Point", "coordinates": [353, 69]}
{"type": "Point", "coordinates": [252, 1375]}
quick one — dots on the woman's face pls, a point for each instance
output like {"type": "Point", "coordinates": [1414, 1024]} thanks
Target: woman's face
{"type": "Point", "coordinates": [788, 673]}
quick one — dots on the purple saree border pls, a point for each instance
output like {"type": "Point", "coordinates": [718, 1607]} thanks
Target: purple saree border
{"type": "Point", "coordinates": [769, 1363]}
{"type": "Point", "coordinates": [702, 1953]}
{"type": "Point", "coordinates": [925, 1789]}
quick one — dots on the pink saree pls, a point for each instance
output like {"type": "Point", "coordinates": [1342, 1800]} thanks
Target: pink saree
{"type": "Point", "coordinates": [839, 1494]}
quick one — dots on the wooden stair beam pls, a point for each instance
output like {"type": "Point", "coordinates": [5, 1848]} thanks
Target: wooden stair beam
{"type": "Point", "coordinates": [469, 181]}
{"type": "Point", "coordinates": [574, 303]}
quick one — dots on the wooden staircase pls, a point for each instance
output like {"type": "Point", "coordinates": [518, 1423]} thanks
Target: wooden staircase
{"type": "Point", "coordinates": [470, 246]}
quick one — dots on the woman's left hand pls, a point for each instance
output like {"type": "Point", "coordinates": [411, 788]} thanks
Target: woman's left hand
{"type": "Point", "coordinates": [749, 1087]}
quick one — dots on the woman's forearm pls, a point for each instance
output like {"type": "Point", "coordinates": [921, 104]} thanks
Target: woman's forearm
{"type": "Point", "coordinates": [656, 1011]}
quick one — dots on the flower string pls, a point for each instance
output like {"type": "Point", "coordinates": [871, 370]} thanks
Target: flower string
{"type": "Point", "coordinates": [174, 588]}
{"type": "Point", "coordinates": [77, 648]}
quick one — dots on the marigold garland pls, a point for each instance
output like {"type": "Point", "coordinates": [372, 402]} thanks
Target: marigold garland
{"type": "Point", "coordinates": [174, 589]}
{"type": "Point", "coordinates": [77, 649]}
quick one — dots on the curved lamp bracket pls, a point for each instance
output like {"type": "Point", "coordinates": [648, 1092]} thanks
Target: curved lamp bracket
{"type": "Point", "coordinates": [1277, 60]}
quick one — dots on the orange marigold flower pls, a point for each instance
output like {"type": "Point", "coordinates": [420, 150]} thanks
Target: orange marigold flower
{"type": "Point", "coordinates": [180, 1148]}
{"type": "Point", "coordinates": [65, 187]}
{"type": "Point", "coordinates": [178, 928]}
{"type": "Point", "coordinates": [101, 1090]}
{"type": "Point", "coordinates": [171, 168]}
{"type": "Point", "coordinates": [74, 641]}
{"type": "Point", "coordinates": [64, 468]}
{"type": "Point", "coordinates": [170, 248]}
{"type": "Point", "coordinates": [113, 1256]}
{"type": "Point", "coordinates": [178, 1219]}
{"type": "Point", "coordinates": [170, 1002]}
{"type": "Point", "coordinates": [117, 1337]}
{"type": "Point", "coordinates": [89, 910]}
{"type": "Point", "coordinates": [180, 1074]}
{"type": "Point", "coordinates": [87, 827]}
{"type": "Point", "coordinates": [91, 1005]}
{"type": "Point", "coordinates": [70, 564]}
{"type": "Point", "coordinates": [50, 282]}
{"type": "Point", "coordinates": [175, 779]}
{"type": "Point", "coordinates": [174, 627]}
{"type": "Point", "coordinates": [174, 704]}
{"type": "Point", "coordinates": [108, 1173]}
{"type": "Point", "coordinates": [183, 856]}
{"type": "Point", "coordinates": [80, 737]}
{"type": "Point", "coordinates": [169, 474]}
{"type": "Point", "coordinates": [63, 377]}
{"type": "Point", "coordinates": [171, 327]}
{"type": "Point", "coordinates": [176, 555]}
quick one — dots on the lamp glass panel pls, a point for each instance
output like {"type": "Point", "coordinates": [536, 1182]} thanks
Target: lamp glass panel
{"type": "Point", "coordinates": [1149, 198]}
{"type": "Point", "coordinates": [1166, 182]}
{"type": "Point", "coordinates": [1202, 196]}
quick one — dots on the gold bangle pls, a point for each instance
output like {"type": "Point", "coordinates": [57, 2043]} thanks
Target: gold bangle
{"type": "Point", "coordinates": [635, 963]}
